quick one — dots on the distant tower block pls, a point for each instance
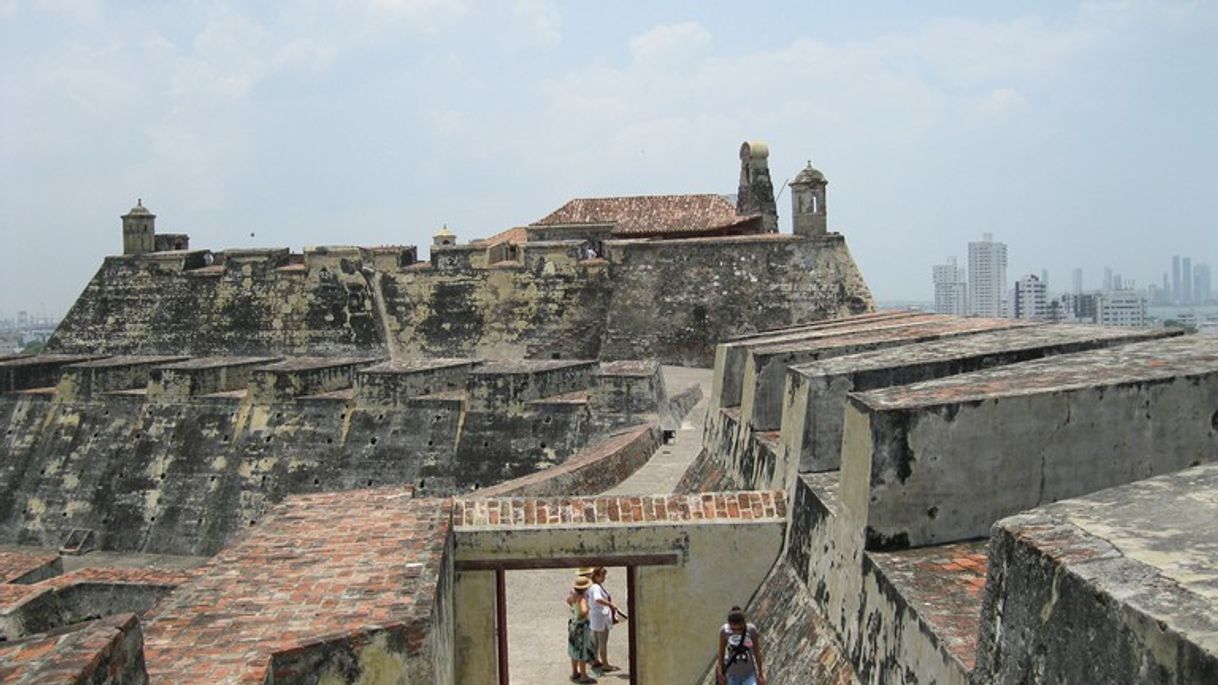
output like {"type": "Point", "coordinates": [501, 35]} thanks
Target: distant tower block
{"type": "Point", "coordinates": [444, 237]}
{"type": "Point", "coordinates": [756, 192]}
{"type": "Point", "coordinates": [139, 230]}
{"type": "Point", "coordinates": [810, 215]}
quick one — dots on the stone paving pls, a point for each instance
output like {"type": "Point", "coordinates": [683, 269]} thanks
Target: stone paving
{"type": "Point", "coordinates": [537, 615]}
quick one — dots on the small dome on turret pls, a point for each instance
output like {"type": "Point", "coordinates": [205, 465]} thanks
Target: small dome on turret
{"type": "Point", "coordinates": [139, 208]}
{"type": "Point", "coordinates": [444, 237]}
{"type": "Point", "coordinates": [809, 175]}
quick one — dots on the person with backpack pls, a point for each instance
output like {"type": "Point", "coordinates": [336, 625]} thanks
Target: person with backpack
{"type": "Point", "coordinates": [739, 652]}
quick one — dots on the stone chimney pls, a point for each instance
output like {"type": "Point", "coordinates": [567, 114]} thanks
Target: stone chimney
{"type": "Point", "coordinates": [756, 192]}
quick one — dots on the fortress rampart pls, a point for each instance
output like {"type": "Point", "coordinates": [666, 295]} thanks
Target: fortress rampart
{"type": "Point", "coordinates": [547, 302]}
{"type": "Point", "coordinates": [977, 502]}
{"type": "Point", "coordinates": [176, 455]}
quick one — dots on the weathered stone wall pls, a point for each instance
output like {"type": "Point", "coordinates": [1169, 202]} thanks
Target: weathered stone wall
{"type": "Point", "coordinates": [674, 299]}
{"type": "Point", "coordinates": [169, 472]}
{"type": "Point", "coordinates": [1008, 420]}
{"type": "Point", "coordinates": [1116, 587]}
{"type": "Point", "coordinates": [546, 303]}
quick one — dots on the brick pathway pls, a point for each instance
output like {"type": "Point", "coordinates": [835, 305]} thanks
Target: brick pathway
{"type": "Point", "coordinates": [537, 616]}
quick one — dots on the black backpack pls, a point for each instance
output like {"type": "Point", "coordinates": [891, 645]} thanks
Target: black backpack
{"type": "Point", "coordinates": [737, 652]}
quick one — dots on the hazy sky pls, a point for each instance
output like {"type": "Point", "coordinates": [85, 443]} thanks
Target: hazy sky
{"type": "Point", "coordinates": [1079, 135]}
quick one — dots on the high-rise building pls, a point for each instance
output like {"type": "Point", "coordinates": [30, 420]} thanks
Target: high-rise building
{"type": "Point", "coordinates": [1044, 277]}
{"type": "Point", "coordinates": [1031, 298]}
{"type": "Point", "coordinates": [987, 276]}
{"type": "Point", "coordinates": [1078, 281]}
{"type": "Point", "coordinates": [1107, 278]}
{"type": "Point", "coordinates": [1202, 292]}
{"type": "Point", "coordinates": [1175, 279]}
{"type": "Point", "coordinates": [1186, 281]}
{"type": "Point", "coordinates": [951, 294]}
{"type": "Point", "coordinates": [1121, 308]}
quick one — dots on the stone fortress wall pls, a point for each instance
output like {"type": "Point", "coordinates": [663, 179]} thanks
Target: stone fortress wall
{"type": "Point", "coordinates": [176, 455]}
{"type": "Point", "coordinates": [665, 285]}
{"type": "Point", "coordinates": [977, 501]}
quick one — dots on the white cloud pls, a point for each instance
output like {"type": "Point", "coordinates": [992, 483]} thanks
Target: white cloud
{"type": "Point", "coordinates": [538, 19]}
{"type": "Point", "coordinates": [671, 42]}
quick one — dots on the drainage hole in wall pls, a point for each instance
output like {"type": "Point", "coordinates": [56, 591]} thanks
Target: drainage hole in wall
{"type": "Point", "coordinates": [94, 433]}
{"type": "Point", "coordinates": [329, 441]}
{"type": "Point", "coordinates": [65, 514]}
{"type": "Point", "coordinates": [549, 419]}
{"type": "Point", "coordinates": [1214, 421]}
{"type": "Point", "coordinates": [162, 476]}
{"type": "Point", "coordinates": [430, 443]}
{"type": "Point", "coordinates": [372, 440]}
{"type": "Point", "coordinates": [543, 445]}
{"type": "Point", "coordinates": [380, 417]}
{"type": "Point", "coordinates": [152, 519]}
{"type": "Point", "coordinates": [225, 438]}
{"type": "Point", "coordinates": [212, 479]}
{"type": "Point", "coordinates": [263, 482]}
{"type": "Point", "coordinates": [316, 481]}
{"type": "Point", "coordinates": [42, 472]}
{"type": "Point", "coordinates": [369, 483]}
{"type": "Point", "coordinates": [422, 483]}
{"type": "Point", "coordinates": [486, 443]}
{"type": "Point", "coordinates": [268, 438]}
{"type": "Point", "coordinates": [252, 522]}
{"type": "Point", "coordinates": [199, 522]}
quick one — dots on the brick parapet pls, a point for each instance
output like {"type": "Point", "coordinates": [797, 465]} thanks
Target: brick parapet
{"type": "Point", "coordinates": [107, 651]}
{"type": "Point", "coordinates": [323, 571]}
{"type": "Point", "coordinates": [593, 469]}
{"type": "Point", "coordinates": [611, 510]}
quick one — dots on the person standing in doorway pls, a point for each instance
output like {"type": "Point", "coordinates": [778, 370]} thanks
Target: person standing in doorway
{"type": "Point", "coordinates": [601, 618]}
{"type": "Point", "coordinates": [580, 647]}
{"type": "Point", "coordinates": [739, 651]}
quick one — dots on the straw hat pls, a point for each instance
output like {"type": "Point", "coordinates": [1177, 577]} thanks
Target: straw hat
{"type": "Point", "coordinates": [585, 571]}
{"type": "Point", "coordinates": [582, 583]}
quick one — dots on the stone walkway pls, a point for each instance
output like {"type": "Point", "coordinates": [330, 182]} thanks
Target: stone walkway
{"type": "Point", "coordinates": [537, 615]}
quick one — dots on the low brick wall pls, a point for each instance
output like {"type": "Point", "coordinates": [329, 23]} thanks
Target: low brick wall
{"type": "Point", "coordinates": [109, 651]}
{"type": "Point", "coordinates": [684, 400]}
{"type": "Point", "coordinates": [588, 472]}
{"type": "Point", "coordinates": [706, 474]}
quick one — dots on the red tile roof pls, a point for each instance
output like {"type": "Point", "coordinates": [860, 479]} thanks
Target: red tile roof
{"type": "Point", "coordinates": [512, 236]}
{"type": "Point", "coordinates": [649, 214]}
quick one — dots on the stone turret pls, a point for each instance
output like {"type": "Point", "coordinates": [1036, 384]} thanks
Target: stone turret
{"type": "Point", "coordinates": [139, 230]}
{"type": "Point", "coordinates": [756, 192]}
{"type": "Point", "coordinates": [809, 213]}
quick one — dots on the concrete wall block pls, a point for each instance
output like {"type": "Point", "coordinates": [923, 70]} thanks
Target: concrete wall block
{"type": "Point", "coordinates": [946, 473]}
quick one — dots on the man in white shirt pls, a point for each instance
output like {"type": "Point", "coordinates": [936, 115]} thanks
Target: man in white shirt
{"type": "Point", "coordinates": [601, 610]}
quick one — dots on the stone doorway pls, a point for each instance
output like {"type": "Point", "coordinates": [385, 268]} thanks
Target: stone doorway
{"type": "Point", "coordinates": [530, 601]}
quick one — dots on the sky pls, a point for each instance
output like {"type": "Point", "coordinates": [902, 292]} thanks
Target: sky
{"type": "Point", "coordinates": [1080, 135]}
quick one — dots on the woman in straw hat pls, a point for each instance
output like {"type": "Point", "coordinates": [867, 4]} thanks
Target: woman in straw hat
{"type": "Point", "coordinates": [580, 646]}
